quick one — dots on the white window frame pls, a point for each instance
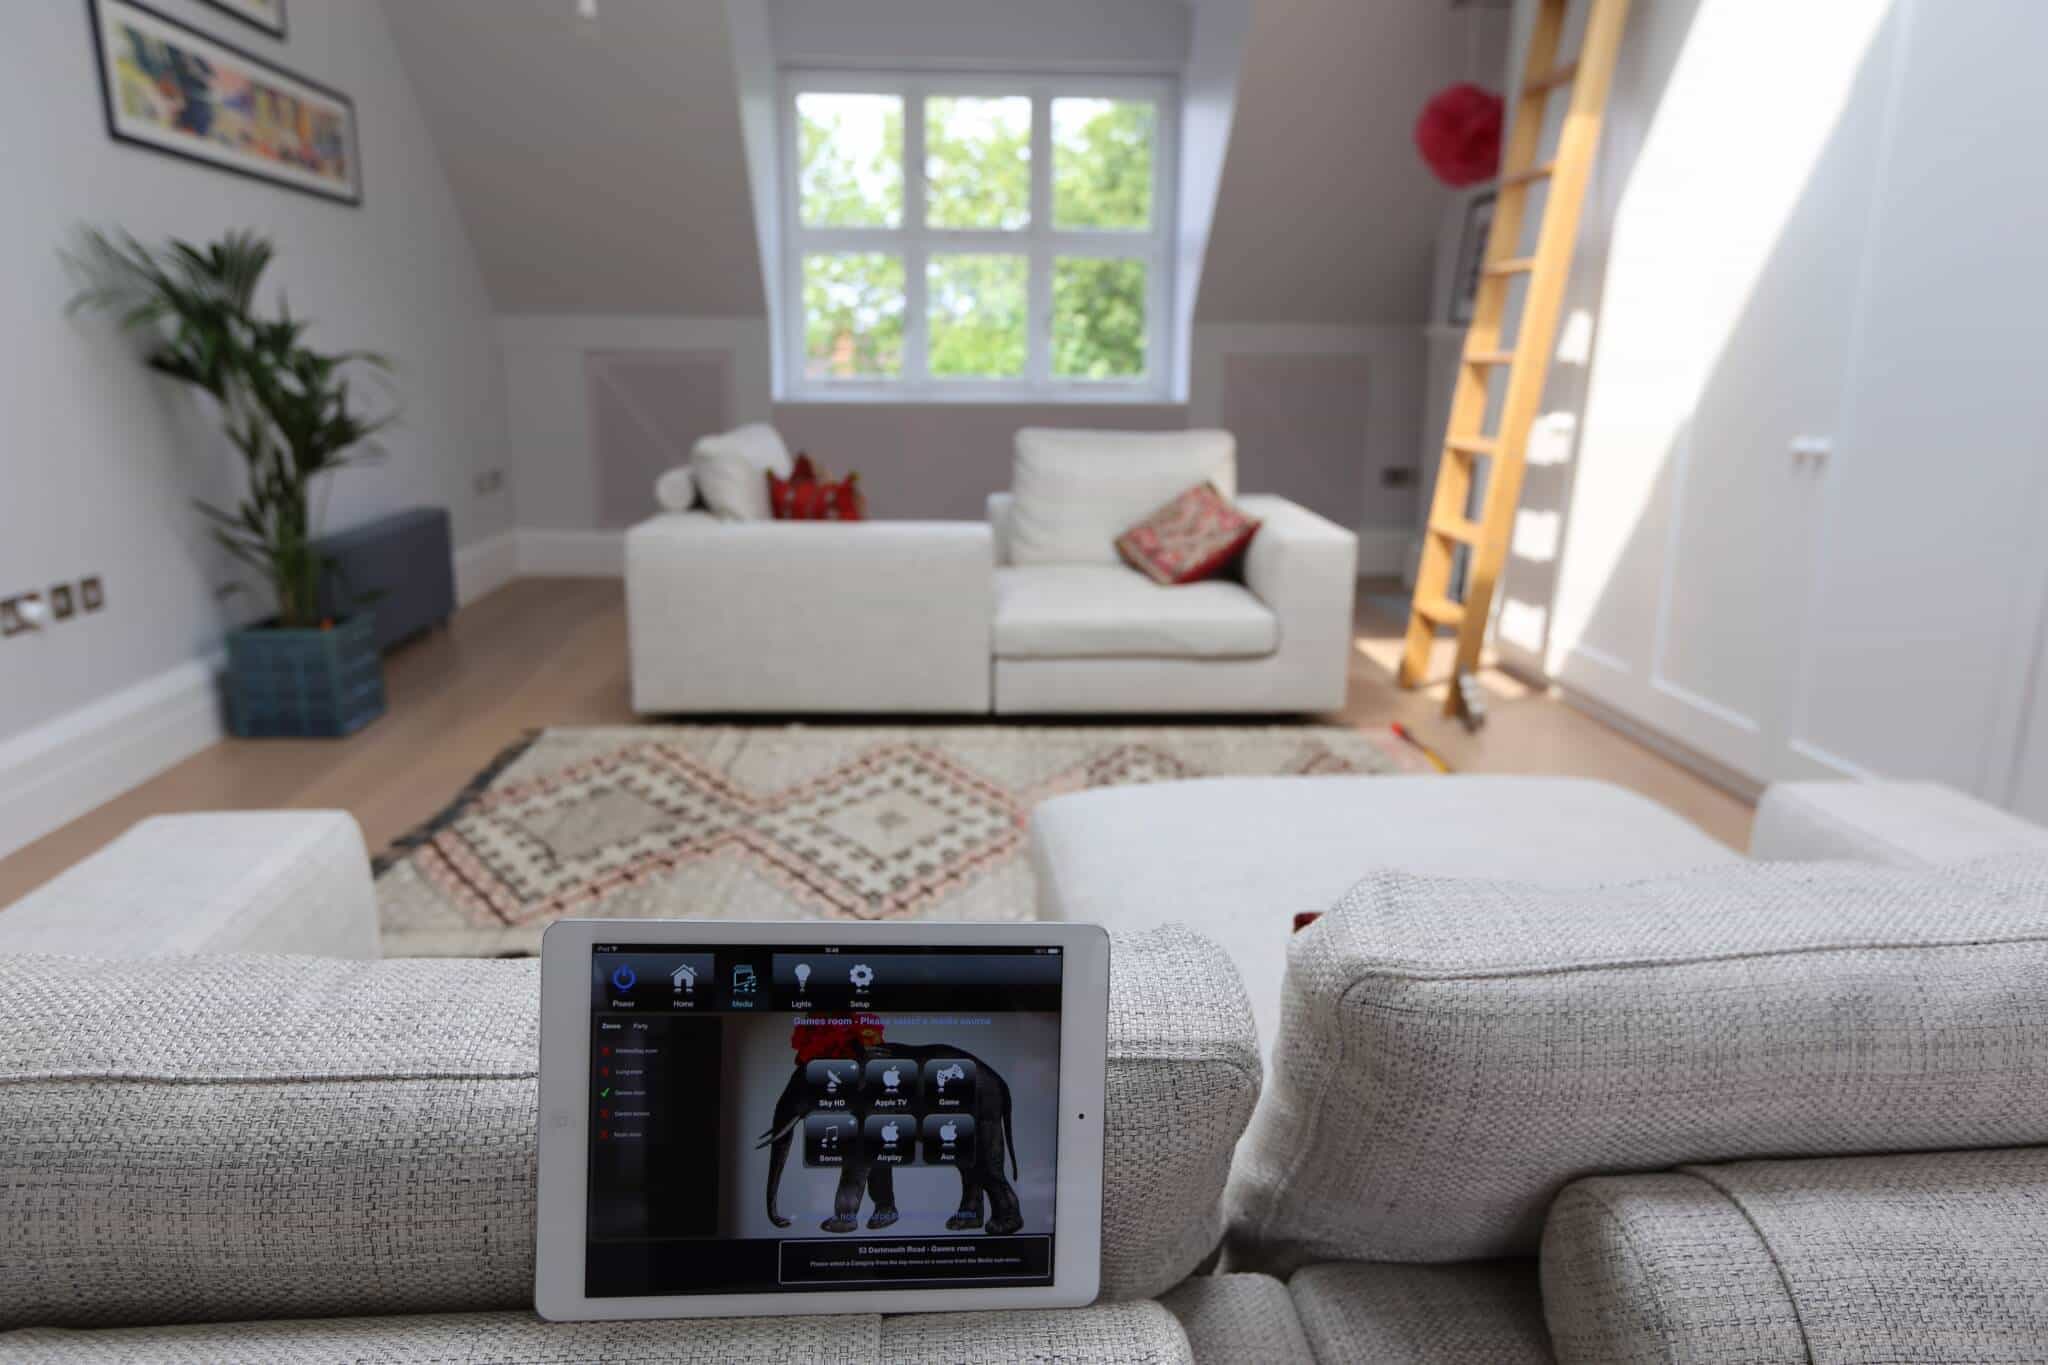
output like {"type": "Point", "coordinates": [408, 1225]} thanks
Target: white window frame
{"type": "Point", "coordinates": [1039, 242]}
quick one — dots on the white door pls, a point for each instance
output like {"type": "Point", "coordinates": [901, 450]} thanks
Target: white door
{"type": "Point", "coordinates": [1932, 539]}
{"type": "Point", "coordinates": [1723, 334]}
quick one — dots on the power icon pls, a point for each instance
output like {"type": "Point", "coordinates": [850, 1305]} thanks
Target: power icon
{"type": "Point", "coordinates": [623, 978]}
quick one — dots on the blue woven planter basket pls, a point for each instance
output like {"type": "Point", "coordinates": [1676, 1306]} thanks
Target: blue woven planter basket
{"type": "Point", "coordinates": [308, 684]}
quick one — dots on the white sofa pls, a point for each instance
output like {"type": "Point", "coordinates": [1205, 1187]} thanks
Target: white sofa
{"type": "Point", "coordinates": [1029, 613]}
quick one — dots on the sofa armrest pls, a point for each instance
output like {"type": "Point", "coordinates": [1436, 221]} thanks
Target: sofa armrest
{"type": "Point", "coordinates": [1931, 1256]}
{"type": "Point", "coordinates": [222, 882]}
{"type": "Point", "coordinates": [809, 616]}
{"type": "Point", "coordinates": [1305, 568]}
{"type": "Point", "coordinates": [1905, 824]}
{"type": "Point", "coordinates": [1002, 507]}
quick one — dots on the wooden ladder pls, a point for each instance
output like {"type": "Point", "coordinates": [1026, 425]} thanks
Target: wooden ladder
{"type": "Point", "coordinates": [1527, 358]}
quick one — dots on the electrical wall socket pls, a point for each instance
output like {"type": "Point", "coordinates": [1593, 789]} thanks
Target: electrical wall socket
{"type": "Point", "coordinates": [92, 594]}
{"type": "Point", "coordinates": [1399, 476]}
{"type": "Point", "coordinates": [488, 482]}
{"type": "Point", "coordinates": [61, 601]}
{"type": "Point", "coordinates": [19, 614]}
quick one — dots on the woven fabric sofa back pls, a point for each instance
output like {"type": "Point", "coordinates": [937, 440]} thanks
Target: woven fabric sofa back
{"type": "Point", "coordinates": [1453, 1052]}
{"type": "Point", "coordinates": [217, 1138]}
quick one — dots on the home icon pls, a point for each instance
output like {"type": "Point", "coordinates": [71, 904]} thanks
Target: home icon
{"type": "Point", "coordinates": [684, 977]}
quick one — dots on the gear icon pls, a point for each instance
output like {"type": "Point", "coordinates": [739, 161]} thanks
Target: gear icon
{"type": "Point", "coordinates": [862, 975]}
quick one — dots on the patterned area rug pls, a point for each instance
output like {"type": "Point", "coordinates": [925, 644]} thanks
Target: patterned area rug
{"type": "Point", "coordinates": [797, 822]}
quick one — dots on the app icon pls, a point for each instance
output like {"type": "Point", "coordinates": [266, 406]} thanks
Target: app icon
{"type": "Point", "coordinates": [832, 1081]}
{"type": "Point", "coordinates": [829, 1139]}
{"type": "Point", "coordinates": [948, 1140]}
{"type": "Point", "coordinates": [684, 977]}
{"type": "Point", "coordinates": [803, 976]}
{"type": "Point", "coordinates": [949, 1084]}
{"type": "Point", "coordinates": [624, 977]}
{"type": "Point", "coordinates": [743, 980]}
{"type": "Point", "coordinates": [892, 1084]}
{"type": "Point", "coordinates": [892, 1140]}
{"type": "Point", "coordinates": [862, 976]}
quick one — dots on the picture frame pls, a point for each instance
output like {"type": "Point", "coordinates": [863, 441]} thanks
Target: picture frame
{"type": "Point", "coordinates": [266, 15]}
{"type": "Point", "coordinates": [170, 88]}
{"type": "Point", "coordinates": [1471, 257]}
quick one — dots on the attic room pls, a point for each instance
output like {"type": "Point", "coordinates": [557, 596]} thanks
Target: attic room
{"type": "Point", "coordinates": [1462, 578]}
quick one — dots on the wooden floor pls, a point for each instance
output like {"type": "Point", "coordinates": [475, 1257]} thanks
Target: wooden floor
{"type": "Point", "coordinates": [544, 652]}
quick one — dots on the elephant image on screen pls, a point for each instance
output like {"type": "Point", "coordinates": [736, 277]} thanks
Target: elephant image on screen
{"type": "Point", "coordinates": [911, 1124]}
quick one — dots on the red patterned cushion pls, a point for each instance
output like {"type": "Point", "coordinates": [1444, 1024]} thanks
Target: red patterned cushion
{"type": "Point", "coordinates": [809, 495]}
{"type": "Point", "coordinates": [1195, 536]}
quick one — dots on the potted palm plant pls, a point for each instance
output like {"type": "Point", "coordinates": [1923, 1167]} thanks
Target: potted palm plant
{"type": "Point", "coordinates": [289, 411]}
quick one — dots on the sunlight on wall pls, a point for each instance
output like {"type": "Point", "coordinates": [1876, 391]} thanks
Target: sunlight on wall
{"type": "Point", "coordinates": [1751, 102]}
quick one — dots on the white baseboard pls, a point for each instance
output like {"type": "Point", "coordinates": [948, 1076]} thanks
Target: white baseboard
{"type": "Point", "coordinates": [572, 554]}
{"type": "Point", "coordinates": [1384, 551]}
{"type": "Point", "coordinates": [60, 770]}
{"type": "Point", "coordinates": [486, 566]}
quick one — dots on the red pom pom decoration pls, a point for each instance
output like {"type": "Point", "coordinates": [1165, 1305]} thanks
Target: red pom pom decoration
{"type": "Point", "coordinates": [1458, 135]}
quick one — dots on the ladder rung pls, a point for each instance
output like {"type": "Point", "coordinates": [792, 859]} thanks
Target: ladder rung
{"type": "Point", "coordinates": [1442, 610]}
{"type": "Point", "coordinates": [1539, 172]}
{"type": "Point", "coordinates": [1489, 357]}
{"type": "Point", "coordinates": [1514, 265]}
{"type": "Point", "coordinates": [1473, 445]}
{"type": "Point", "coordinates": [1460, 529]}
{"type": "Point", "coordinates": [1562, 75]}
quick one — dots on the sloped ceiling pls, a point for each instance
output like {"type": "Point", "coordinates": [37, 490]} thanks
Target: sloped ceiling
{"type": "Point", "coordinates": [599, 167]}
{"type": "Point", "coordinates": [1325, 213]}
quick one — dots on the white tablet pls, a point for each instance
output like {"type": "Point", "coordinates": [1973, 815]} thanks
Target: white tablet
{"type": "Point", "coordinates": [819, 1117]}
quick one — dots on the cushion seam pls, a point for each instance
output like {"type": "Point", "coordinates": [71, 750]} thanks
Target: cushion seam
{"type": "Point", "coordinates": [1784, 1280]}
{"type": "Point", "coordinates": [1396, 973]}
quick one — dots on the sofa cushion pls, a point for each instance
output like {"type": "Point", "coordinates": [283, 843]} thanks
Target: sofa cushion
{"type": "Point", "coordinates": [1108, 1334]}
{"type": "Point", "coordinates": [1453, 1052]}
{"type": "Point", "coordinates": [1485, 1314]}
{"type": "Point", "coordinates": [1106, 611]}
{"type": "Point", "coordinates": [1196, 536]}
{"type": "Point", "coordinates": [444, 1338]}
{"type": "Point", "coordinates": [1075, 491]}
{"type": "Point", "coordinates": [1239, 1318]}
{"type": "Point", "coordinates": [732, 469]}
{"type": "Point", "coordinates": [1236, 858]}
{"type": "Point", "coordinates": [241, 1137]}
{"type": "Point", "coordinates": [1931, 1256]}
{"type": "Point", "coordinates": [676, 489]}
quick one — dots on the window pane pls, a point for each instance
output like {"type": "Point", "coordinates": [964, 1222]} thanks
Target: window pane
{"type": "Point", "coordinates": [977, 161]}
{"type": "Point", "coordinates": [850, 160]}
{"type": "Point", "coordinates": [977, 310]}
{"type": "Point", "coordinates": [853, 315]}
{"type": "Point", "coordinates": [1102, 163]}
{"type": "Point", "coordinates": [1098, 318]}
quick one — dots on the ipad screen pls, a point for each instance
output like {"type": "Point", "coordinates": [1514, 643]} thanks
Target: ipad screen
{"type": "Point", "coordinates": [789, 1119]}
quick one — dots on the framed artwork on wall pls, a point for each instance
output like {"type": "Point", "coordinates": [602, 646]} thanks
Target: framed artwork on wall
{"type": "Point", "coordinates": [1471, 256]}
{"type": "Point", "coordinates": [267, 15]}
{"type": "Point", "coordinates": [171, 88]}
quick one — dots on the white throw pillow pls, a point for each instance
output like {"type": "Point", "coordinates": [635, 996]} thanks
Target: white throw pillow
{"type": "Point", "coordinates": [676, 490]}
{"type": "Point", "coordinates": [1076, 491]}
{"type": "Point", "coordinates": [732, 469]}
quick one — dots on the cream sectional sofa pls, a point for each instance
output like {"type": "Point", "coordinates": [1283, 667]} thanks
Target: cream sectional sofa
{"type": "Point", "coordinates": [1710, 1110]}
{"type": "Point", "coordinates": [1029, 612]}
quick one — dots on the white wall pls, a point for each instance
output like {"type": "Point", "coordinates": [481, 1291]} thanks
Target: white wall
{"type": "Point", "coordinates": [1128, 35]}
{"type": "Point", "coordinates": [101, 460]}
{"type": "Point", "coordinates": [915, 459]}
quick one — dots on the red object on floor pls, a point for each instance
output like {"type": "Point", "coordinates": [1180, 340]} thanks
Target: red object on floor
{"type": "Point", "coordinates": [1458, 134]}
{"type": "Point", "coordinates": [1305, 918]}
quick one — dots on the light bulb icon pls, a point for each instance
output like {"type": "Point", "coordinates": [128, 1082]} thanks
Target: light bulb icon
{"type": "Point", "coordinates": [803, 975]}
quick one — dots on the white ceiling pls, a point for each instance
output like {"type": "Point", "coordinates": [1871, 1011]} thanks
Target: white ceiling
{"type": "Point", "coordinates": [599, 167]}
{"type": "Point", "coordinates": [1326, 213]}
{"type": "Point", "coordinates": [602, 169]}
